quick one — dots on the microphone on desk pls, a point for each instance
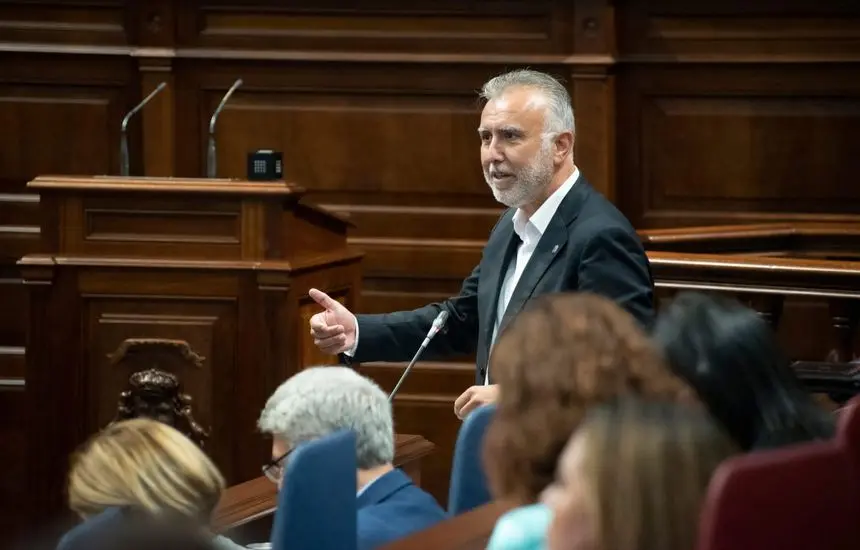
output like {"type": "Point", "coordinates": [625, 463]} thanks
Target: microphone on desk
{"type": "Point", "coordinates": [123, 140]}
{"type": "Point", "coordinates": [210, 159]}
{"type": "Point", "coordinates": [438, 324]}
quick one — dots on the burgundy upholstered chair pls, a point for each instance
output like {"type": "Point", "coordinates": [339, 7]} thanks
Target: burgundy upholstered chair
{"type": "Point", "coordinates": [802, 497]}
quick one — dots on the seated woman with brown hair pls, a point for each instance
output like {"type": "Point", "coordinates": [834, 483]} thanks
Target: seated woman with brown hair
{"type": "Point", "coordinates": [561, 355]}
{"type": "Point", "coordinates": [634, 477]}
{"type": "Point", "coordinates": [137, 472]}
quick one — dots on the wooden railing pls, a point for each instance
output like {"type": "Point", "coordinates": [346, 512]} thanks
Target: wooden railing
{"type": "Point", "coordinates": [802, 278]}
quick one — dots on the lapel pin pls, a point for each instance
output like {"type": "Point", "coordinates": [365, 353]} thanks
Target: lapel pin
{"type": "Point", "coordinates": [555, 249]}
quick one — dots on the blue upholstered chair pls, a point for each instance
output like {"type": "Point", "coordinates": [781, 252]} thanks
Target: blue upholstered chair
{"type": "Point", "coordinates": [316, 504]}
{"type": "Point", "coordinates": [468, 487]}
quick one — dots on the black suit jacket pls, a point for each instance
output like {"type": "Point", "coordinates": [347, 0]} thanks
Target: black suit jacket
{"type": "Point", "coordinates": [588, 246]}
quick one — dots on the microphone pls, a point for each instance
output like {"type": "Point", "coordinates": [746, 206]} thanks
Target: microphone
{"type": "Point", "coordinates": [438, 323]}
{"type": "Point", "coordinates": [210, 160]}
{"type": "Point", "coordinates": [123, 142]}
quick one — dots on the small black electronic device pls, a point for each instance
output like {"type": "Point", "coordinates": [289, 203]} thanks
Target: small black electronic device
{"type": "Point", "coordinates": [265, 165]}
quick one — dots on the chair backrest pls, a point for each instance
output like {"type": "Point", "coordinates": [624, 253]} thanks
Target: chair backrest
{"type": "Point", "coordinates": [848, 428]}
{"type": "Point", "coordinates": [317, 504]}
{"type": "Point", "coordinates": [848, 435]}
{"type": "Point", "coordinates": [82, 535]}
{"type": "Point", "coordinates": [800, 498]}
{"type": "Point", "coordinates": [468, 487]}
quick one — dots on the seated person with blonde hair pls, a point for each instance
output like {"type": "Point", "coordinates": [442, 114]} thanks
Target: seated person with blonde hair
{"type": "Point", "coordinates": [141, 471]}
{"type": "Point", "coordinates": [320, 401]}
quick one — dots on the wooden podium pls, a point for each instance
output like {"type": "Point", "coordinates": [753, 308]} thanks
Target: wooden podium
{"type": "Point", "coordinates": [184, 299]}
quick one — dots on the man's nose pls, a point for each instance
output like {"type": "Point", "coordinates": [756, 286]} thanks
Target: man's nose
{"type": "Point", "coordinates": [495, 153]}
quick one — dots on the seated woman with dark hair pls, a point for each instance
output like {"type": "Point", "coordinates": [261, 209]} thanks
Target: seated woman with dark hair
{"type": "Point", "coordinates": [730, 356]}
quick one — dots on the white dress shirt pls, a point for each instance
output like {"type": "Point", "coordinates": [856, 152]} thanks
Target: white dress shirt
{"type": "Point", "coordinates": [530, 231]}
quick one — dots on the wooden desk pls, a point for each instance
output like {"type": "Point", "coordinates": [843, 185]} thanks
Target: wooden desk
{"type": "Point", "coordinates": [469, 531]}
{"type": "Point", "coordinates": [246, 510]}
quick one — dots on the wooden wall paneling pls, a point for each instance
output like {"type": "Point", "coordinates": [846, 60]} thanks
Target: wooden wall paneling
{"type": "Point", "coordinates": [713, 144]}
{"type": "Point", "coordinates": [731, 112]}
{"type": "Point", "coordinates": [66, 22]}
{"type": "Point", "coordinates": [13, 334]}
{"type": "Point", "coordinates": [424, 26]}
{"type": "Point", "coordinates": [13, 449]}
{"type": "Point", "coordinates": [734, 31]}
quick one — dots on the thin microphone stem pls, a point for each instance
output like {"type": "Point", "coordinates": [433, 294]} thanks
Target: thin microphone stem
{"type": "Point", "coordinates": [123, 144]}
{"type": "Point", "coordinates": [406, 372]}
{"type": "Point", "coordinates": [438, 324]}
{"type": "Point", "coordinates": [211, 167]}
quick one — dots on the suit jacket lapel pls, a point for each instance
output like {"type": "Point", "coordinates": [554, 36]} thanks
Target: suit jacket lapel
{"type": "Point", "coordinates": [550, 247]}
{"type": "Point", "coordinates": [500, 250]}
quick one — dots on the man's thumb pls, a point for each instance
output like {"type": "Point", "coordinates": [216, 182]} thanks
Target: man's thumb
{"type": "Point", "coordinates": [323, 299]}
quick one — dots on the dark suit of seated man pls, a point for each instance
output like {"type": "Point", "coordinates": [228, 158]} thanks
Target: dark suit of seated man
{"type": "Point", "coordinates": [319, 401]}
{"type": "Point", "coordinates": [557, 235]}
{"type": "Point", "coordinates": [391, 508]}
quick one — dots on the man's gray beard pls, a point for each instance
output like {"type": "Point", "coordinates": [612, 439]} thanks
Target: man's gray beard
{"type": "Point", "coordinates": [530, 182]}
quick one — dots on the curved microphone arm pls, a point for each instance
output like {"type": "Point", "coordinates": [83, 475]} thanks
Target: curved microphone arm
{"type": "Point", "coordinates": [123, 144]}
{"type": "Point", "coordinates": [211, 166]}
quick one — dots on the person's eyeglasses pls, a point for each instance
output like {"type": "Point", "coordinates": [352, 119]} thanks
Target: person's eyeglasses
{"type": "Point", "coordinates": [274, 470]}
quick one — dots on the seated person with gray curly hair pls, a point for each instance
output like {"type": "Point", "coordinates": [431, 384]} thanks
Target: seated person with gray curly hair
{"type": "Point", "coordinates": [320, 401]}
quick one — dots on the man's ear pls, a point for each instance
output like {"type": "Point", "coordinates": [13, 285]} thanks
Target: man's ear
{"type": "Point", "coordinates": [563, 145]}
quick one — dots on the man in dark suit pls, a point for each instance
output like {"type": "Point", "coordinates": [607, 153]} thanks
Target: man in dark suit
{"type": "Point", "coordinates": [558, 234]}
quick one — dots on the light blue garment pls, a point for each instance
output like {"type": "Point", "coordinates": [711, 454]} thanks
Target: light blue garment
{"type": "Point", "coordinates": [521, 529]}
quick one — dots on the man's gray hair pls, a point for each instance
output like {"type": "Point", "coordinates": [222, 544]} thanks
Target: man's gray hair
{"type": "Point", "coordinates": [559, 109]}
{"type": "Point", "coordinates": [319, 401]}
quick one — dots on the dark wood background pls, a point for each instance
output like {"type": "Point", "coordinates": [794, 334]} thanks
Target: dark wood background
{"type": "Point", "coordinates": [687, 113]}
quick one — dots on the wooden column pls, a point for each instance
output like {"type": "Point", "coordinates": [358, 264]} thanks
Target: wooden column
{"type": "Point", "coordinates": [156, 31]}
{"type": "Point", "coordinates": [157, 118]}
{"type": "Point", "coordinates": [593, 92]}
